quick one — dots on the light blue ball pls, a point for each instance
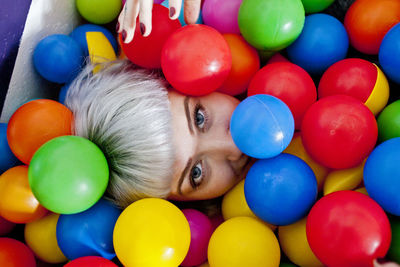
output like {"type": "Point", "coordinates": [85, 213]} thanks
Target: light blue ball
{"type": "Point", "coordinates": [323, 42]}
{"type": "Point", "coordinates": [280, 190]}
{"type": "Point", "coordinates": [58, 58]}
{"type": "Point", "coordinates": [89, 233]}
{"type": "Point", "coordinates": [389, 54]}
{"type": "Point", "coordinates": [7, 158]}
{"type": "Point", "coordinates": [182, 13]}
{"type": "Point", "coordinates": [262, 126]}
{"type": "Point", "coordinates": [382, 175]}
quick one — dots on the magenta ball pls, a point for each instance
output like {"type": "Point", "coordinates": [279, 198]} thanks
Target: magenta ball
{"type": "Point", "coordinates": [222, 15]}
{"type": "Point", "coordinates": [200, 231]}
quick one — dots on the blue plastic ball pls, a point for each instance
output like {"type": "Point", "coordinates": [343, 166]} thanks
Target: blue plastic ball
{"type": "Point", "coordinates": [323, 42]}
{"type": "Point", "coordinates": [63, 93]}
{"type": "Point", "coordinates": [382, 175]}
{"type": "Point", "coordinates": [58, 58]}
{"type": "Point", "coordinates": [389, 54]}
{"type": "Point", "coordinates": [182, 13]}
{"type": "Point", "coordinates": [280, 190]}
{"type": "Point", "coordinates": [89, 233]}
{"type": "Point", "coordinates": [79, 35]}
{"type": "Point", "coordinates": [262, 126]}
{"type": "Point", "coordinates": [7, 158]}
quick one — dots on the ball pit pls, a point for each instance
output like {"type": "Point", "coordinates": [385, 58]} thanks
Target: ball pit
{"type": "Point", "coordinates": [7, 158]}
{"type": "Point", "coordinates": [389, 54]}
{"type": "Point", "coordinates": [314, 6]}
{"type": "Point", "coordinates": [99, 11]}
{"type": "Point", "coordinates": [389, 122]}
{"type": "Point", "coordinates": [222, 15]}
{"type": "Point", "coordinates": [15, 253]}
{"type": "Point", "coordinates": [90, 261]}
{"type": "Point", "coordinates": [394, 250]}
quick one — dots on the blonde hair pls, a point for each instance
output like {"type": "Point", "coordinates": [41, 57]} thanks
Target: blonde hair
{"type": "Point", "coordinates": [125, 111]}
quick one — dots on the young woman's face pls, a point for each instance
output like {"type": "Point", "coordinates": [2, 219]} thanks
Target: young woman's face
{"type": "Point", "coordinates": [207, 163]}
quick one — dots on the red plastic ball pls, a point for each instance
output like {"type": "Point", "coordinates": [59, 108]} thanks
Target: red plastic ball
{"type": "Point", "coordinates": [6, 226]}
{"type": "Point", "coordinates": [339, 131]}
{"type": "Point", "coordinates": [245, 63]}
{"type": "Point", "coordinates": [196, 60]}
{"type": "Point", "coordinates": [15, 253]}
{"type": "Point", "coordinates": [355, 77]}
{"type": "Point", "coordinates": [367, 22]}
{"type": "Point", "coordinates": [146, 51]}
{"type": "Point", "coordinates": [277, 57]}
{"type": "Point", "coordinates": [348, 229]}
{"type": "Point", "coordinates": [288, 82]}
{"type": "Point", "coordinates": [90, 261]}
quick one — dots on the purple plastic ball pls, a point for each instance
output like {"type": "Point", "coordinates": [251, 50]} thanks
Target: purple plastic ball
{"type": "Point", "coordinates": [222, 15]}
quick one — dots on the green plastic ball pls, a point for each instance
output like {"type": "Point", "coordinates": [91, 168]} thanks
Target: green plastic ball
{"type": "Point", "coordinates": [389, 122]}
{"type": "Point", "coordinates": [314, 6]}
{"type": "Point", "coordinates": [99, 11]}
{"type": "Point", "coordinates": [394, 250]}
{"type": "Point", "coordinates": [68, 174]}
{"type": "Point", "coordinates": [271, 24]}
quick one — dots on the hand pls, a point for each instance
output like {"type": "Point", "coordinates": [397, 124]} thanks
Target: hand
{"type": "Point", "coordinates": [132, 8]}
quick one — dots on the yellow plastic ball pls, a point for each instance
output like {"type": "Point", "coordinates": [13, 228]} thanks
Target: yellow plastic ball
{"type": "Point", "coordinates": [293, 241]}
{"type": "Point", "coordinates": [345, 179]}
{"type": "Point", "coordinates": [151, 232]}
{"type": "Point", "coordinates": [243, 241]}
{"type": "Point", "coordinates": [41, 237]}
{"type": "Point", "coordinates": [379, 96]}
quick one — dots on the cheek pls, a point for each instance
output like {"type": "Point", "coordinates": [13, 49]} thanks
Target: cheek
{"type": "Point", "coordinates": [224, 179]}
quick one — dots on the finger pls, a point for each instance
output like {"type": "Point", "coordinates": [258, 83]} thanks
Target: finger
{"type": "Point", "coordinates": [175, 7]}
{"type": "Point", "coordinates": [145, 15]}
{"type": "Point", "coordinates": [192, 11]}
{"type": "Point", "coordinates": [131, 11]}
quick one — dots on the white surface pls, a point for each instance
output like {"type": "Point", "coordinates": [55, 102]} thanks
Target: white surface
{"type": "Point", "coordinates": [45, 17]}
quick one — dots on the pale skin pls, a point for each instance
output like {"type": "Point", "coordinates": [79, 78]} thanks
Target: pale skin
{"type": "Point", "coordinates": [143, 8]}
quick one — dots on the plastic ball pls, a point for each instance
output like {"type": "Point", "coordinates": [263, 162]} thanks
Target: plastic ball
{"type": "Point", "coordinates": [99, 11]}
{"type": "Point", "coordinates": [7, 158]}
{"type": "Point", "coordinates": [18, 204]}
{"type": "Point", "coordinates": [280, 190]}
{"type": "Point", "coordinates": [35, 123]}
{"type": "Point", "coordinates": [15, 253]}
{"type": "Point", "coordinates": [234, 203]}
{"type": "Point", "coordinates": [5, 226]}
{"type": "Point", "coordinates": [200, 234]}
{"type": "Point", "coordinates": [151, 232]}
{"type": "Point", "coordinates": [339, 131]}
{"type": "Point", "coordinates": [358, 78]}
{"type": "Point", "coordinates": [296, 148]}
{"type": "Point", "coordinates": [79, 34]}
{"type": "Point", "coordinates": [381, 175]}
{"type": "Point", "coordinates": [146, 51]}
{"type": "Point", "coordinates": [314, 6]}
{"type": "Point", "coordinates": [222, 15]}
{"type": "Point", "coordinates": [389, 54]}
{"type": "Point", "coordinates": [88, 233]}
{"type": "Point", "coordinates": [288, 82]}
{"type": "Point", "coordinates": [40, 236]}
{"type": "Point", "coordinates": [90, 261]}
{"type": "Point", "coordinates": [243, 241]}
{"type": "Point", "coordinates": [271, 25]}
{"type": "Point", "coordinates": [277, 57]}
{"type": "Point", "coordinates": [389, 122]}
{"type": "Point", "coordinates": [394, 250]}
{"type": "Point", "coordinates": [348, 229]}
{"type": "Point", "coordinates": [367, 22]}
{"type": "Point", "coordinates": [262, 126]}
{"type": "Point", "coordinates": [245, 63]}
{"type": "Point", "coordinates": [293, 241]}
{"type": "Point", "coordinates": [68, 174]}
{"type": "Point", "coordinates": [322, 42]}
{"type": "Point", "coordinates": [181, 17]}
{"type": "Point", "coordinates": [196, 60]}
{"type": "Point", "coordinates": [63, 93]}
{"type": "Point", "coordinates": [58, 58]}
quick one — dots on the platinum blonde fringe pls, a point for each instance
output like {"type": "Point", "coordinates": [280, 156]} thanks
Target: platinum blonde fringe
{"type": "Point", "coordinates": [125, 111]}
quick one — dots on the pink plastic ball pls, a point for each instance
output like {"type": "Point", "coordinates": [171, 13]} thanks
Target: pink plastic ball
{"type": "Point", "coordinates": [200, 230]}
{"type": "Point", "coordinates": [222, 15]}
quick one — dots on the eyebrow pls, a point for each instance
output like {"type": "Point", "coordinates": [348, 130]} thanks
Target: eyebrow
{"type": "Point", "coordinates": [187, 112]}
{"type": "Point", "coordinates": [185, 170]}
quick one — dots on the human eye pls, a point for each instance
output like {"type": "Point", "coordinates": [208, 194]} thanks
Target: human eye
{"type": "Point", "coordinates": [200, 117]}
{"type": "Point", "coordinates": [196, 175]}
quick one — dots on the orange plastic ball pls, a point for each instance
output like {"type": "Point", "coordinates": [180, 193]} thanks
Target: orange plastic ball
{"type": "Point", "coordinates": [245, 63]}
{"type": "Point", "coordinates": [35, 123]}
{"type": "Point", "coordinates": [18, 204]}
{"type": "Point", "coordinates": [367, 22]}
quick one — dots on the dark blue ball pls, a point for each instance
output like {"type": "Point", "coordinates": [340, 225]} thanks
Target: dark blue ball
{"type": "Point", "coordinates": [89, 233]}
{"type": "Point", "coordinates": [58, 58]}
{"type": "Point", "coordinates": [7, 158]}
{"type": "Point", "coordinates": [63, 93]}
{"type": "Point", "coordinates": [389, 54]}
{"type": "Point", "coordinates": [280, 190]}
{"type": "Point", "coordinates": [79, 35]}
{"type": "Point", "coordinates": [382, 175]}
{"type": "Point", "coordinates": [323, 42]}
{"type": "Point", "coordinates": [262, 126]}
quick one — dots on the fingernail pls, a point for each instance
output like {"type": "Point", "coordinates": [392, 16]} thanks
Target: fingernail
{"type": "Point", "coordinates": [123, 35]}
{"type": "Point", "coordinates": [171, 12]}
{"type": "Point", "coordinates": [142, 28]}
{"type": "Point", "coordinates": [117, 26]}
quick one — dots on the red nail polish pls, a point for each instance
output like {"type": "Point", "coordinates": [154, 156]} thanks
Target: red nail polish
{"type": "Point", "coordinates": [142, 28]}
{"type": "Point", "coordinates": [123, 35]}
{"type": "Point", "coordinates": [171, 11]}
